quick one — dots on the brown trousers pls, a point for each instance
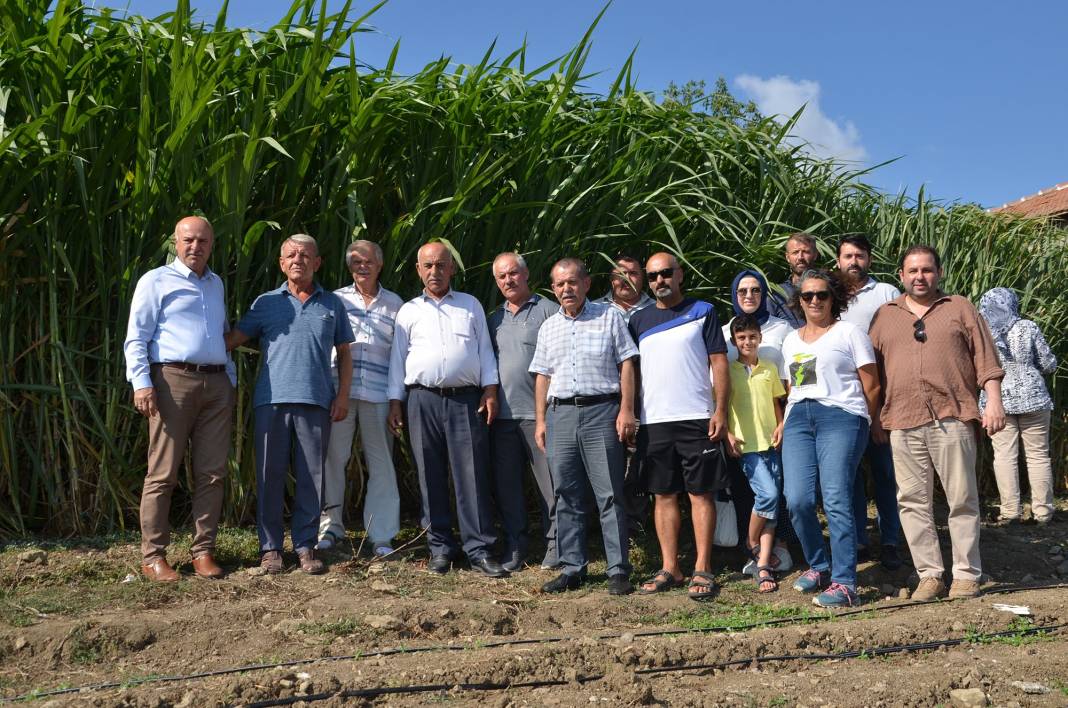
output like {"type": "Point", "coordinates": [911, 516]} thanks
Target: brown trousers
{"type": "Point", "coordinates": [194, 409]}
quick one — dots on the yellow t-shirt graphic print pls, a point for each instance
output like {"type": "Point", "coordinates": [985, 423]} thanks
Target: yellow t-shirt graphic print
{"type": "Point", "coordinates": [803, 370]}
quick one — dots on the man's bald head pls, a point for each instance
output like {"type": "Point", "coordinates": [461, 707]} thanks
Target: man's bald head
{"type": "Point", "coordinates": [435, 267]}
{"type": "Point", "coordinates": [193, 239]}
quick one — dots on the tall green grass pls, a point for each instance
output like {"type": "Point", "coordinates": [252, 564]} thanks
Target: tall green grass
{"type": "Point", "coordinates": [111, 128]}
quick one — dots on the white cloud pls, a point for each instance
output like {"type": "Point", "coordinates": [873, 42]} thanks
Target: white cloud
{"type": "Point", "coordinates": [782, 96]}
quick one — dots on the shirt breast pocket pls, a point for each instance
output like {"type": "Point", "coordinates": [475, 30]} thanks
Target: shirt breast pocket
{"type": "Point", "coordinates": [594, 343]}
{"type": "Point", "coordinates": [463, 325]}
{"type": "Point", "coordinates": [326, 325]}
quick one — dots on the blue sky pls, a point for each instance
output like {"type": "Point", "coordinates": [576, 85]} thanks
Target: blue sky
{"type": "Point", "coordinates": [967, 94]}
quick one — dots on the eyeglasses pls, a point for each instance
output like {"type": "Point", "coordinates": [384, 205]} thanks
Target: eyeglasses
{"type": "Point", "coordinates": [919, 331]}
{"type": "Point", "coordinates": [821, 295]}
{"type": "Point", "coordinates": [666, 274]}
{"type": "Point", "coordinates": [748, 291]}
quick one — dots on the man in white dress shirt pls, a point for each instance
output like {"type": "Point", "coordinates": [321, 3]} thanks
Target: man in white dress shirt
{"type": "Point", "coordinates": [183, 381]}
{"type": "Point", "coordinates": [372, 311]}
{"type": "Point", "coordinates": [868, 295]}
{"type": "Point", "coordinates": [442, 362]}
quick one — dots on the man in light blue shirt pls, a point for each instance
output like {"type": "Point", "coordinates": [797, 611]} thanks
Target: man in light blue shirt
{"type": "Point", "coordinates": [183, 383]}
{"type": "Point", "coordinates": [299, 324]}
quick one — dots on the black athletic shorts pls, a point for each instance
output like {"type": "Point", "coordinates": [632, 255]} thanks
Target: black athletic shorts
{"type": "Point", "coordinates": [678, 457]}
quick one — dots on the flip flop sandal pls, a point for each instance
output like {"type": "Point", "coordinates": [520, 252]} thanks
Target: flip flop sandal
{"type": "Point", "coordinates": [770, 578]}
{"type": "Point", "coordinates": [662, 581]}
{"type": "Point", "coordinates": [702, 595]}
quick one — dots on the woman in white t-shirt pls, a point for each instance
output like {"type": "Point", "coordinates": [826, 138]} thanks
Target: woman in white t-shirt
{"type": "Point", "coordinates": [829, 366]}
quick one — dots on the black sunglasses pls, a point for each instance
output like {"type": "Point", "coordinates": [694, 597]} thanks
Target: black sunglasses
{"type": "Point", "coordinates": [920, 331]}
{"type": "Point", "coordinates": [821, 295]}
{"type": "Point", "coordinates": [665, 273]}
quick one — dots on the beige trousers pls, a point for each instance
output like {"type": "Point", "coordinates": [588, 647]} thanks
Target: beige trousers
{"type": "Point", "coordinates": [1033, 430]}
{"type": "Point", "coordinates": [945, 448]}
{"type": "Point", "coordinates": [194, 410]}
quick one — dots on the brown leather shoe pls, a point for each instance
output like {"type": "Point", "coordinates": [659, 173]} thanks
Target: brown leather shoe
{"type": "Point", "coordinates": [206, 567]}
{"type": "Point", "coordinates": [271, 561]}
{"type": "Point", "coordinates": [309, 563]}
{"type": "Point", "coordinates": [157, 570]}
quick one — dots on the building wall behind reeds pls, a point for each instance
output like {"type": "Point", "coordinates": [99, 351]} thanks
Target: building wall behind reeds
{"type": "Point", "coordinates": [112, 128]}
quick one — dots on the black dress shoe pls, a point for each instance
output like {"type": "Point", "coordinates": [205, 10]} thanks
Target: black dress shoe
{"type": "Point", "coordinates": [889, 557]}
{"type": "Point", "coordinates": [489, 567]}
{"type": "Point", "coordinates": [439, 564]}
{"type": "Point", "coordinates": [619, 585]}
{"type": "Point", "coordinates": [513, 561]}
{"type": "Point", "coordinates": [563, 582]}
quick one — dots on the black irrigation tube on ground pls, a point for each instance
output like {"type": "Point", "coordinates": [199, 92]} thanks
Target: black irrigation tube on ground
{"type": "Point", "coordinates": [756, 660]}
{"type": "Point", "coordinates": [503, 643]}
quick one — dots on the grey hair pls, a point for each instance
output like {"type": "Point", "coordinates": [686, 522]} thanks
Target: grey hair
{"type": "Point", "coordinates": [519, 260]}
{"type": "Point", "coordinates": [302, 239]}
{"type": "Point", "coordinates": [363, 243]}
{"type": "Point", "coordinates": [575, 263]}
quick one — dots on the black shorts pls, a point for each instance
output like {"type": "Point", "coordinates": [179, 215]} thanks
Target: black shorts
{"type": "Point", "coordinates": [678, 457]}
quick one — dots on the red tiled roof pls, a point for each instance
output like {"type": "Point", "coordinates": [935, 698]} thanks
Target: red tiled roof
{"type": "Point", "coordinates": [1048, 202]}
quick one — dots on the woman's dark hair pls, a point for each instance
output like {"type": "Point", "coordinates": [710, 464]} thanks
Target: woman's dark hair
{"type": "Point", "coordinates": [838, 289]}
{"type": "Point", "coordinates": [745, 322]}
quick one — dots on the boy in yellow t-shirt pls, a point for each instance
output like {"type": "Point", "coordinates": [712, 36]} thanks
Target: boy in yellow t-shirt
{"type": "Point", "coordinates": [754, 433]}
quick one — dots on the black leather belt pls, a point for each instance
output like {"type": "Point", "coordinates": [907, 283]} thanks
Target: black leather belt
{"type": "Point", "coordinates": [580, 401]}
{"type": "Point", "coordinates": [196, 368]}
{"type": "Point", "coordinates": [447, 392]}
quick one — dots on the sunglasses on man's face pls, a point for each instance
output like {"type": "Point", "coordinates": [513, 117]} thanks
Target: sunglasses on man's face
{"type": "Point", "coordinates": [919, 331]}
{"type": "Point", "coordinates": [666, 274]}
{"type": "Point", "coordinates": [821, 295]}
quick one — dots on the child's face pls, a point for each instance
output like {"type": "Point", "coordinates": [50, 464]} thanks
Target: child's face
{"type": "Point", "coordinates": [747, 341]}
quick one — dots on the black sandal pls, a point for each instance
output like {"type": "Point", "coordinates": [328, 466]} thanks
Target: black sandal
{"type": "Point", "coordinates": [662, 581]}
{"type": "Point", "coordinates": [769, 578]}
{"type": "Point", "coordinates": [704, 595]}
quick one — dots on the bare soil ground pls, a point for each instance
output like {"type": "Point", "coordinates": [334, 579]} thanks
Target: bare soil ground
{"type": "Point", "coordinates": [69, 620]}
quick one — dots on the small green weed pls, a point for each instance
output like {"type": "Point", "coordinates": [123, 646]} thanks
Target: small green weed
{"type": "Point", "coordinates": [338, 628]}
{"type": "Point", "coordinates": [736, 616]}
{"type": "Point", "coordinates": [1017, 638]}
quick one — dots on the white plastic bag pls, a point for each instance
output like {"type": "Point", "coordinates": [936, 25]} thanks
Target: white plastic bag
{"type": "Point", "coordinates": [726, 534]}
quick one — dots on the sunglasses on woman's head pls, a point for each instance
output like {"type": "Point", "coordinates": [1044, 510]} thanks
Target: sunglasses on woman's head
{"type": "Point", "coordinates": [821, 295]}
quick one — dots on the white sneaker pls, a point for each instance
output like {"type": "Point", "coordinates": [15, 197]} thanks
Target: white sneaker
{"type": "Point", "coordinates": [750, 568]}
{"type": "Point", "coordinates": [382, 551]}
{"type": "Point", "coordinates": [786, 561]}
{"type": "Point", "coordinates": [328, 541]}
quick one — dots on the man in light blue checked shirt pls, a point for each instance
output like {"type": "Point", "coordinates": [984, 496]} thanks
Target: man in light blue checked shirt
{"type": "Point", "coordinates": [584, 409]}
{"type": "Point", "coordinates": [372, 312]}
{"type": "Point", "coordinates": [183, 381]}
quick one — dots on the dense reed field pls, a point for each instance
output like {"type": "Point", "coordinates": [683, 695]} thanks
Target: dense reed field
{"type": "Point", "coordinates": [112, 127]}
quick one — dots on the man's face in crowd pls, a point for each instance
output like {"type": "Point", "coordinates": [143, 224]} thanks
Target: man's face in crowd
{"type": "Point", "coordinates": [855, 262]}
{"type": "Point", "coordinates": [435, 267]}
{"type": "Point", "coordinates": [800, 256]}
{"type": "Point", "coordinates": [570, 287]}
{"type": "Point", "coordinates": [627, 281]}
{"type": "Point", "coordinates": [665, 287]}
{"type": "Point", "coordinates": [920, 276]}
{"type": "Point", "coordinates": [365, 267]}
{"type": "Point", "coordinates": [299, 261]}
{"type": "Point", "coordinates": [193, 239]}
{"type": "Point", "coordinates": [511, 278]}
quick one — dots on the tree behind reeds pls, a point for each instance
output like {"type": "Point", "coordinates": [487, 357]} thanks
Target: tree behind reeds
{"type": "Point", "coordinates": [112, 128]}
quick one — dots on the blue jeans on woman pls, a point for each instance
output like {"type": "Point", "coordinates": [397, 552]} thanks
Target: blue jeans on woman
{"type": "Point", "coordinates": [822, 446]}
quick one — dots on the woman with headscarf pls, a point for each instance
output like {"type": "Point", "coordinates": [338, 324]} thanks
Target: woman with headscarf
{"type": "Point", "coordinates": [749, 296]}
{"type": "Point", "coordinates": [1025, 356]}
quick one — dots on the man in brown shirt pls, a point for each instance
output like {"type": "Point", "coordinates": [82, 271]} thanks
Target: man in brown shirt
{"type": "Point", "coordinates": [934, 353]}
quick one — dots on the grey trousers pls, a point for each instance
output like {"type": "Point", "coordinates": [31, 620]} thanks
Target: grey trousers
{"type": "Point", "coordinates": [582, 445]}
{"type": "Point", "coordinates": [285, 433]}
{"type": "Point", "coordinates": [513, 447]}
{"type": "Point", "coordinates": [448, 435]}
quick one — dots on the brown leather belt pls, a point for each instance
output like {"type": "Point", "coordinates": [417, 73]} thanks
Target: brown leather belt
{"type": "Point", "coordinates": [195, 368]}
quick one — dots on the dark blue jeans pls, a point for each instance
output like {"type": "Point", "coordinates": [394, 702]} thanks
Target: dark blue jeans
{"type": "Point", "coordinates": [881, 462]}
{"type": "Point", "coordinates": [821, 448]}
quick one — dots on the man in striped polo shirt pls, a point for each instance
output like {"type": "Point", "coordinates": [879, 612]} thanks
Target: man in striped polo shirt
{"type": "Point", "coordinates": [372, 312]}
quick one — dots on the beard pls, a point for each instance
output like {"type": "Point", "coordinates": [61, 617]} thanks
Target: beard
{"type": "Point", "coordinates": [855, 277]}
{"type": "Point", "coordinates": [663, 292]}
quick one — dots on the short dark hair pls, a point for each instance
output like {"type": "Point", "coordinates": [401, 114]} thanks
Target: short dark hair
{"type": "Point", "coordinates": [839, 292]}
{"type": "Point", "coordinates": [857, 241]}
{"type": "Point", "coordinates": [745, 322]}
{"type": "Point", "coordinates": [919, 248]}
{"type": "Point", "coordinates": [626, 257]}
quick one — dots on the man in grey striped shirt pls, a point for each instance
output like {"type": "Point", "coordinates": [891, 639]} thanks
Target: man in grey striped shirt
{"type": "Point", "coordinates": [372, 312]}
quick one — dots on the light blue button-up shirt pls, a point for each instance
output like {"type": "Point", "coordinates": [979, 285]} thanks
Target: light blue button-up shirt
{"type": "Point", "coordinates": [176, 315]}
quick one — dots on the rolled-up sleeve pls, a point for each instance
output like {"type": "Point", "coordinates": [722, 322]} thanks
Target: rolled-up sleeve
{"type": "Point", "coordinates": [487, 359]}
{"type": "Point", "coordinates": [144, 313]}
{"type": "Point", "coordinates": [624, 343]}
{"type": "Point", "coordinates": [398, 354]}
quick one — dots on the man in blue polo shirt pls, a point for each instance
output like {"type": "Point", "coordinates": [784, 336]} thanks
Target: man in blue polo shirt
{"type": "Point", "coordinates": [295, 401]}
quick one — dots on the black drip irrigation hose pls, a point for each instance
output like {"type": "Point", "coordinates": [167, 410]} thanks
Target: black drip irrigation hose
{"type": "Point", "coordinates": [751, 661]}
{"type": "Point", "coordinates": [503, 643]}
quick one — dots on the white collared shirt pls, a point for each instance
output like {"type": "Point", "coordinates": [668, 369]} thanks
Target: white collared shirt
{"type": "Point", "coordinates": [866, 301]}
{"type": "Point", "coordinates": [441, 343]}
{"type": "Point", "coordinates": [177, 316]}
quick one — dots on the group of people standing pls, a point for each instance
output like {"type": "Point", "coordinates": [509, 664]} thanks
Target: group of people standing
{"type": "Point", "coordinates": [607, 402]}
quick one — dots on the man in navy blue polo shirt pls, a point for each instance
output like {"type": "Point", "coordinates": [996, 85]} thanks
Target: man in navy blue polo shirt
{"type": "Point", "coordinates": [298, 324]}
